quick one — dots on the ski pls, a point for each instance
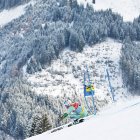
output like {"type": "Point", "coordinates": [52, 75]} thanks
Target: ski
{"type": "Point", "coordinates": [61, 127]}
{"type": "Point", "coordinates": [56, 129]}
{"type": "Point", "coordinates": [75, 122]}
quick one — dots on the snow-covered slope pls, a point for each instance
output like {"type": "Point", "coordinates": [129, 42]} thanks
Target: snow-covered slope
{"type": "Point", "coordinates": [7, 16]}
{"type": "Point", "coordinates": [119, 122]}
{"type": "Point", "coordinates": [65, 75]}
{"type": "Point", "coordinates": [129, 9]}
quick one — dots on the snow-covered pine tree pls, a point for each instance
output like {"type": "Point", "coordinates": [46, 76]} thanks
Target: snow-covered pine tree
{"type": "Point", "coordinates": [45, 124]}
{"type": "Point", "coordinates": [40, 125]}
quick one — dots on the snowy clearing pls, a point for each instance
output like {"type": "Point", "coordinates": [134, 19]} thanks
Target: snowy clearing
{"type": "Point", "coordinates": [121, 124]}
{"type": "Point", "coordinates": [65, 74]}
{"type": "Point", "coordinates": [128, 9]}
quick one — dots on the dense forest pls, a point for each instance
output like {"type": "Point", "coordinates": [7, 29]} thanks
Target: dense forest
{"type": "Point", "coordinates": [37, 38]}
{"type": "Point", "coordinates": [7, 4]}
{"type": "Point", "coordinates": [130, 63]}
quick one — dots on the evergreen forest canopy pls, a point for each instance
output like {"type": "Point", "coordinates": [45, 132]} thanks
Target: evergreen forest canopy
{"type": "Point", "coordinates": [7, 4]}
{"type": "Point", "coordinates": [37, 38]}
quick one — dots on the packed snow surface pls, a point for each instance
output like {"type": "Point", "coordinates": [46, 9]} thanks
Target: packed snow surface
{"type": "Point", "coordinates": [128, 9]}
{"type": "Point", "coordinates": [119, 121]}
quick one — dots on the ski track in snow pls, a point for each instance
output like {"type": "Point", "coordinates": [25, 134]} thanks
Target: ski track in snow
{"type": "Point", "coordinates": [122, 124]}
{"type": "Point", "coordinates": [128, 9]}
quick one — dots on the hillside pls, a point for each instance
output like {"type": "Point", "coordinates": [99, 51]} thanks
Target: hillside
{"type": "Point", "coordinates": [130, 10]}
{"type": "Point", "coordinates": [45, 46]}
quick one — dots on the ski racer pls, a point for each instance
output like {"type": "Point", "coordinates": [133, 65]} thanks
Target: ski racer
{"type": "Point", "coordinates": [74, 111]}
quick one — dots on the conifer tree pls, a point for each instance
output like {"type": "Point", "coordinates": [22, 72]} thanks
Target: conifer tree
{"type": "Point", "coordinates": [40, 125]}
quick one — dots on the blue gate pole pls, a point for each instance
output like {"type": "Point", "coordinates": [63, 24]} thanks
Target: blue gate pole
{"type": "Point", "coordinates": [93, 104]}
{"type": "Point", "coordinates": [85, 93]}
{"type": "Point", "coordinates": [110, 84]}
{"type": "Point", "coordinates": [91, 92]}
